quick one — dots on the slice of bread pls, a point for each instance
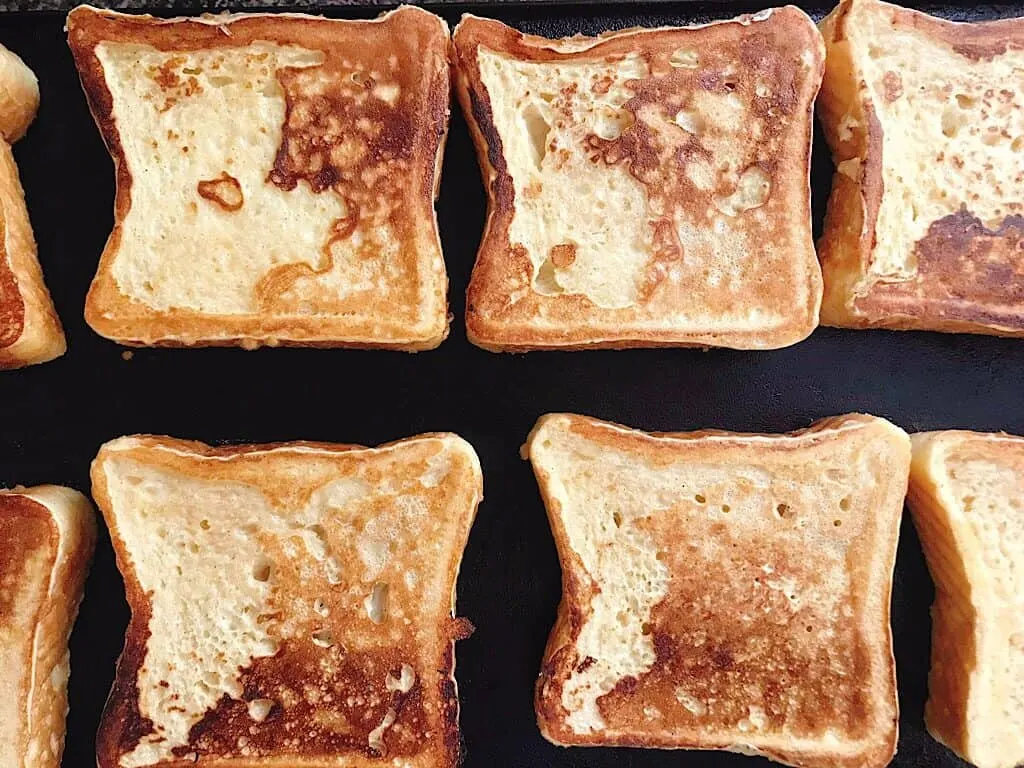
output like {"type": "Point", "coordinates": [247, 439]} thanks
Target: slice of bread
{"type": "Point", "coordinates": [292, 605]}
{"type": "Point", "coordinates": [47, 534]}
{"type": "Point", "coordinates": [276, 177]}
{"type": "Point", "coordinates": [722, 590]}
{"type": "Point", "coordinates": [967, 500]}
{"type": "Point", "coordinates": [30, 331]}
{"type": "Point", "coordinates": [647, 187]}
{"type": "Point", "coordinates": [925, 223]}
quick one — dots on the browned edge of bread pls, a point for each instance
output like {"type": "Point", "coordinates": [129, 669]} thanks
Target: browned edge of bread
{"type": "Point", "coordinates": [130, 322]}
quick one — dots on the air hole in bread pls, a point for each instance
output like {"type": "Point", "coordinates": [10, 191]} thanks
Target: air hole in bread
{"type": "Point", "coordinates": [538, 129]}
{"type": "Point", "coordinates": [952, 122]}
{"type": "Point", "coordinates": [684, 58]}
{"type": "Point", "coordinates": [219, 81]}
{"type": "Point", "coordinates": [968, 502]}
{"type": "Point", "coordinates": [690, 121]}
{"type": "Point", "coordinates": [261, 570]}
{"type": "Point", "coordinates": [191, 71]}
{"type": "Point", "coordinates": [646, 628]}
{"type": "Point", "coordinates": [964, 101]}
{"type": "Point", "coordinates": [991, 137]}
{"type": "Point", "coordinates": [1017, 144]}
{"type": "Point", "coordinates": [204, 524]}
{"type": "Point", "coordinates": [546, 280]}
{"type": "Point", "coordinates": [837, 523]}
{"type": "Point", "coordinates": [617, 519]}
{"type": "Point", "coordinates": [844, 503]}
{"type": "Point", "coordinates": [783, 511]}
{"type": "Point", "coordinates": [611, 123]}
{"type": "Point", "coordinates": [700, 498]}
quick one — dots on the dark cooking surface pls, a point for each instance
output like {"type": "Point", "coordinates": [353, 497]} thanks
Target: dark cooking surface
{"type": "Point", "coordinates": [56, 415]}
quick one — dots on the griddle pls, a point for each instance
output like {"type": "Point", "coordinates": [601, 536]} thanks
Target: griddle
{"type": "Point", "coordinates": [56, 415]}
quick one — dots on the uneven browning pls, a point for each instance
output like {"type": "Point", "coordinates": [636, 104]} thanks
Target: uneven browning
{"type": "Point", "coordinates": [291, 605]}
{"type": "Point", "coordinates": [47, 535]}
{"type": "Point", "coordinates": [29, 329]}
{"type": "Point", "coordinates": [924, 117]}
{"type": "Point", "coordinates": [723, 591]}
{"type": "Point", "coordinates": [967, 499]}
{"type": "Point", "coordinates": [276, 178]}
{"type": "Point", "coordinates": [646, 187]}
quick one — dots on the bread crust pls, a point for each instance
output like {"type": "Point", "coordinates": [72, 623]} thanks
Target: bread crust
{"type": "Point", "coordinates": [868, 734]}
{"type": "Point", "coordinates": [572, 321]}
{"type": "Point", "coordinates": [277, 470]}
{"type": "Point", "coordinates": [412, 323]}
{"type": "Point", "coordinates": [969, 707]}
{"type": "Point", "coordinates": [951, 288]}
{"type": "Point", "coordinates": [30, 331]}
{"type": "Point", "coordinates": [49, 532]}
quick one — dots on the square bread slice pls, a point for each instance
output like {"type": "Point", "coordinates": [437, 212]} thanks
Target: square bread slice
{"type": "Point", "coordinates": [648, 187]}
{"type": "Point", "coordinates": [925, 224]}
{"type": "Point", "coordinates": [47, 535]}
{"type": "Point", "coordinates": [967, 500]}
{"type": "Point", "coordinates": [30, 331]}
{"type": "Point", "coordinates": [722, 590]}
{"type": "Point", "coordinates": [276, 177]}
{"type": "Point", "coordinates": [292, 605]}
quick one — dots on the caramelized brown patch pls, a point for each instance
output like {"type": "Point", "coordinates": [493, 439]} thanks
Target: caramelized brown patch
{"type": "Point", "coordinates": [328, 700]}
{"type": "Point", "coordinates": [224, 191]}
{"type": "Point", "coordinates": [173, 83]}
{"type": "Point", "coordinates": [970, 269]}
{"type": "Point", "coordinates": [26, 530]}
{"type": "Point", "coordinates": [12, 306]}
{"type": "Point", "coordinates": [563, 255]}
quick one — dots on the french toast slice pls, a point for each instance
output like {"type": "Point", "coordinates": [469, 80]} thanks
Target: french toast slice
{"type": "Point", "coordinates": [647, 187]}
{"type": "Point", "coordinates": [925, 118]}
{"type": "Point", "coordinates": [967, 500]}
{"type": "Point", "coordinates": [30, 331]}
{"type": "Point", "coordinates": [723, 590]}
{"type": "Point", "coordinates": [276, 177]}
{"type": "Point", "coordinates": [292, 605]}
{"type": "Point", "coordinates": [47, 535]}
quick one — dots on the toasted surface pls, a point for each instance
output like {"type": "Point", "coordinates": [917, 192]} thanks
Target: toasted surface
{"type": "Point", "coordinates": [723, 591]}
{"type": "Point", "coordinates": [925, 118]}
{"type": "Point", "coordinates": [292, 605]}
{"type": "Point", "coordinates": [967, 500]}
{"type": "Point", "coordinates": [646, 187]}
{"type": "Point", "coordinates": [29, 329]}
{"type": "Point", "coordinates": [276, 177]}
{"type": "Point", "coordinates": [47, 534]}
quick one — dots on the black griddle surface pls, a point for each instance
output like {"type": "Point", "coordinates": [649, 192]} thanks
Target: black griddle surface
{"type": "Point", "coordinates": [56, 415]}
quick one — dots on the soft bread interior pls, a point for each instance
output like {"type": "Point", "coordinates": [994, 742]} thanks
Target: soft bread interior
{"type": "Point", "coordinates": [731, 591]}
{"type": "Point", "coordinates": [322, 586]}
{"type": "Point", "coordinates": [968, 503]}
{"type": "Point", "coordinates": [947, 130]}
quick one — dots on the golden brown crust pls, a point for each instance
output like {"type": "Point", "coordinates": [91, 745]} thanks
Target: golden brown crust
{"type": "Point", "coordinates": [412, 132]}
{"type": "Point", "coordinates": [862, 720]}
{"type": "Point", "coordinates": [773, 43]}
{"type": "Point", "coordinates": [966, 275]}
{"type": "Point", "coordinates": [47, 536]}
{"type": "Point", "coordinates": [287, 474]}
{"type": "Point", "coordinates": [30, 331]}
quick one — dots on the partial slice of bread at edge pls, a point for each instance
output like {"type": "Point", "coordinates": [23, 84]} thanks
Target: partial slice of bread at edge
{"type": "Point", "coordinates": [925, 118]}
{"type": "Point", "coordinates": [648, 187]}
{"type": "Point", "coordinates": [967, 500]}
{"type": "Point", "coordinates": [47, 535]}
{"type": "Point", "coordinates": [723, 590]}
{"type": "Point", "coordinates": [30, 331]}
{"type": "Point", "coordinates": [292, 605]}
{"type": "Point", "coordinates": [276, 177]}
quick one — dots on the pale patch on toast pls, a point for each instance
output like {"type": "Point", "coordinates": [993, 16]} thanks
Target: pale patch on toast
{"type": "Point", "coordinates": [607, 244]}
{"type": "Point", "coordinates": [223, 115]}
{"type": "Point", "coordinates": [647, 187]}
{"type": "Point", "coordinates": [967, 497]}
{"type": "Point", "coordinates": [925, 118]}
{"type": "Point", "coordinates": [257, 609]}
{"type": "Point", "coordinates": [723, 591]}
